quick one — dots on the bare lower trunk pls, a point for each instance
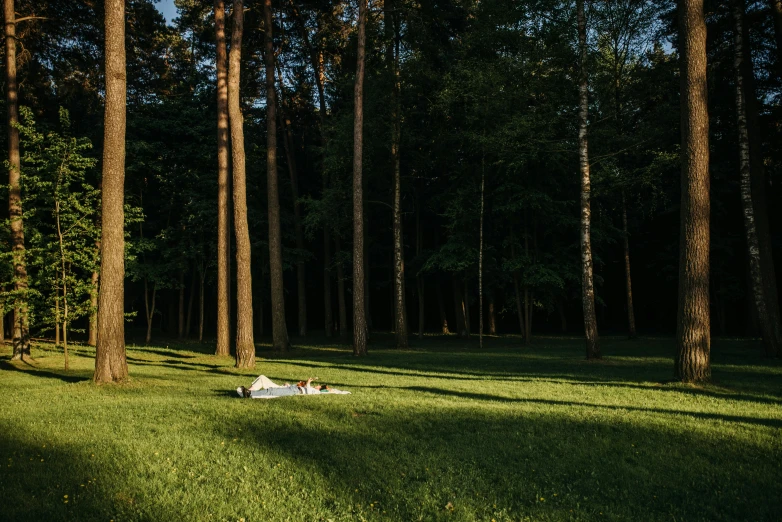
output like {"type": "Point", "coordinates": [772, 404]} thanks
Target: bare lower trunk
{"type": "Point", "coordinates": [57, 316]}
{"type": "Point", "coordinates": [201, 306]}
{"type": "Point", "coordinates": [359, 318]}
{"type": "Point", "coordinates": [458, 302]}
{"type": "Point", "coordinates": [587, 279]}
{"type": "Point", "coordinates": [343, 313]}
{"type": "Point", "coordinates": [190, 301]}
{"type": "Point", "coordinates": [327, 300]}
{"type": "Point", "coordinates": [768, 328]}
{"type": "Point", "coordinates": [149, 308]}
{"type": "Point", "coordinates": [441, 307]}
{"type": "Point", "coordinates": [223, 188]}
{"type": "Point", "coordinates": [181, 307]}
{"type": "Point", "coordinates": [628, 279]}
{"type": "Point", "coordinates": [492, 316]}
{"type": "Point", "coordinates": [693, 338]}
{"type": "Point", "coordinates": [21, 332]}
{"type": "Point", "coordinates": [280, 341]}
{"type": "Point", "coordinates": [110, 360]}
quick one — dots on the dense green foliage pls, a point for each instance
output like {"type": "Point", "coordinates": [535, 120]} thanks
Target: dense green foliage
{"type": "Point", "coordinates": [439, 433]}
{"type": "Point", "coordinates": [486, 87]}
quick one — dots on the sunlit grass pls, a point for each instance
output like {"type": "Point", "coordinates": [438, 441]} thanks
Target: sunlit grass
{"type": "Point", "coordinates": [439, 432]}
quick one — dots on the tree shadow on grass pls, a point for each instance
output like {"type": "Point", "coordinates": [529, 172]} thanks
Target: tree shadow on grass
{"type": "Point", "coordinates": [461, 464]}
{"type": "Point", "coordinates": [771, 423]}
{"type": "Point", "coordinates": [37, 372]}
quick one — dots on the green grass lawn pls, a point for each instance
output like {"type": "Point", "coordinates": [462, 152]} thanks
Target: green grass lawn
{"type": "Point", "coordinates": [440, 432]}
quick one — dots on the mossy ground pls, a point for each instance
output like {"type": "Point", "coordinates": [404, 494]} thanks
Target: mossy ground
{"type": "Point", "coordinates": [443, 431]}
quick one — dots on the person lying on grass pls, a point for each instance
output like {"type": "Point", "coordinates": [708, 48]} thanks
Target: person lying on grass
{"type": "Point", "coordinates": [265, 388]}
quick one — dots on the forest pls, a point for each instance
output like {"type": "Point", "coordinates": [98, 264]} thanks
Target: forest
{"type": "Point", "coordinates": [256, 169]}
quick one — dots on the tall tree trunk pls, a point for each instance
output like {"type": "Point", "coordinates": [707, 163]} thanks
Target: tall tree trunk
{"type": "Point", "coordinates": [441, 307]}
{"type": "Point", "coordinates": [628, 279]}
{"type": "Point", "coordinates": [63, 275]}
{"type": "Point", "coordinates": [359, 317]}
{"type": "Point", "coordinates": [149, 309]}
{"type": "Point", "coordinates": [223, 188]}
{"type": "Point", "coordinates": [343, 313]}
{"type": "Point", "coordinates": [400, 314]}
{"type": "Point", "coordinates": [56, 313]}
{"type": "Point", "coordinates": [190, 300]}
{"type": "Point", "coordinates": [110, 361]}
{"type": "Point", "coordinates": [480, 256]}
{"type": "Point", "coordinates": [419, 280]}
{"type": "Point", "coordinates": [458, 305]}
{"type": "Point", "coordinates": [301, 280]}
{"type": "Point", "coordinates": [587, 279]}
{"type": "Point", "coordinates": [245, 345]}
{"type": "Point", "coordinates": [492, 316]}
{"type": "Point", "coordinates": [327, 299]}
{"type": "Point", "coordinates": [693, 338]}
{"type": "Point", "coordinates": [181, 310]}
{"type": "Point", "coordinates": [21, 333]}
{"type": "Point", "coordinates": [280, 341]}
{"type": "Point", "coordinates": [759, 181]}
{"type": "Point", "coordinates": [201, 289]}
{"type": "Point", "coordinates": [768, 328]}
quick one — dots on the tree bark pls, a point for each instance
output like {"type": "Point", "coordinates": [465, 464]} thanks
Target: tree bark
{"type": "Point", "coordinates": [190, 300]}
{"type": "Point", "coordinates": [223, 182]}
{"type": "Point", "coordinates": [343, 313]}
{"type": "Point", "coordinates": [492, 316]}
{"type": "Point", "coordinates": [245, 345]}
{"type": "Point", "coordinates": [359, 317]}
{"type": "Point", "coordinates": [301, 279]}
{"type": "Point", "coordinates": [769, 328]}
{"type": "Point", "coordinates": [280, 341]}
{"type": "Point", "coordinates": [92, 339]}
{"type": "Point", "coordinates": [587, 279]}
{"type": "Point", "coordinates": [21, 333]}
{"type": "Point", "coordinates": [628, 279]}
{"type": "Point", "coordinates": [149, 309]}
{"type": "Point", "coordinates": [181, 306]}
{"type": "Point", "coordinates": [110, 360]}
{"type": "Point", "coordinates": [693, 338]}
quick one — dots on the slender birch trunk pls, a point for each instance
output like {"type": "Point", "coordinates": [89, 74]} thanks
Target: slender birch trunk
{"type": "Point", "coordinates": [693, 338]}
{"type": "Point", "coordinates": [110, 360]}
{"type": "Point", "coordinates": [359, 317]}
{"type": "Point", "coordinates": [223, 189]}
{"type": "Point", "coordinates": [768, 328]}
{"type": "Point", "coordinates": [245, 345]}
{"type": "Point", "coordinates": [587, 279]}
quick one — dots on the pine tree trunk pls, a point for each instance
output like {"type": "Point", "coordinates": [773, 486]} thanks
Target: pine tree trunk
{"type": "Point", "coordinates": [359, 318]}
{"type": "Point", "coordinates": [628, 279]}
{"type": "Point", "coordinates": [223, 189]}
{"type": "Point", "coordinates": [769, 330]}
{"type": "Point", "coordinates": [280, 341]}
{"type": "Point", "coordinates": [441, 307]}
{"type": "Point", "coordinates": [693, 338]}
{"type": "Point", "coordinates": [343, 313]}
{"type": "Point", "coordinates": [110, 361]}
{"type": "Point", "coordinates": [587, 279]}
{"type": "Point", "coordinates": [150, 309]}
{"type": "Point", "coordinates": [759, 183]}
{"type": "Point", "coordinates": [492, 316]}
{"type": "Point", "coordinates": [190, 300]}
{"type": "Point", "coordinates": [327, 299]}
{"type": "Point", "coordinates": [201, 305]}
{"type": "Point", "coordinates": [301, 279]}
{"type": "Point", "coordinates": [181, 314]}
{"type": "Point", "coordinates": [458, 304]}
{"type": "Point", "coordinates": [245, 345]}
{"type": "Point", "coordinates": [21, 334]}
